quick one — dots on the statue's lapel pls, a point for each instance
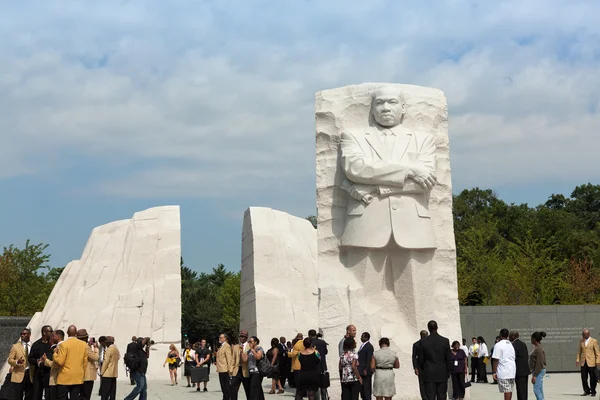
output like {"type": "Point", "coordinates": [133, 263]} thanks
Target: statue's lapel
{"type": "Point", "coordinates": [372, 137]}
{"type": "Point", "coordinates": [403, 138]}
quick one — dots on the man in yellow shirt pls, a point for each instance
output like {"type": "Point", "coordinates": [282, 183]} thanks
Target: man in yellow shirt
{"type": "Point", "coordinates": [72, 359]}
{"type": "Point", "coordinates": [298, 347]}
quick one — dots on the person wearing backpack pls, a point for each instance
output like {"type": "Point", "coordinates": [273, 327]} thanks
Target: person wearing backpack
{"type": "Point", "coordinates": [137, 363]}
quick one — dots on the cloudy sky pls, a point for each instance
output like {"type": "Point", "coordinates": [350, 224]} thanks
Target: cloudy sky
{"type": "Point", "coordinates": [111, 107]}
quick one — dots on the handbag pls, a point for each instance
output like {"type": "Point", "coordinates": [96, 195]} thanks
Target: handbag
{"type": "Point", "coordinates": [324, 382]}
{"type": "Point", "coordinates": [467, 383]}
{"type": "Point", "coordinates": [264, 367]}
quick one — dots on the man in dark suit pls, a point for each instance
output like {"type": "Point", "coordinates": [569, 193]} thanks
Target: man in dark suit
{"type": "Point", "coordinates": [321, 347]}
{"type": "Point", "coordinates": [415, 362]}
{"type": "Point", "coordinates": [522, 361]}
{"type": "Point", "coordinates": [365, 354]}
{"type": "Point", "coordinates": [284, 361]}
{"type": "Point", "coordinates": [435, 362]}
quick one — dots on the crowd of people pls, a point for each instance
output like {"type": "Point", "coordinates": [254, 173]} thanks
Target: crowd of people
{"type": "Point", "coordinates": [62, 366]}
{"type": "Point", "coordinates": [66, 365]}
{"type": "Point", "coordinates": [436, 362]}
{"type": "Point", "coordinates": [302, 364]}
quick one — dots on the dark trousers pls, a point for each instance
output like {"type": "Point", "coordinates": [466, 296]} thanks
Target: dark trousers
{"type": "Point", "coordinates": [422, 386]}
{"type": "Point", "coordinates": [38, 387]}
{"type": "Point", "coordinates": [284, 370]}
{"type": "Point", "coordinates": [521, 382]}
{"type": "Point", "coordinates": [292, 379]}
{"type": "Point", "coordinates": [23, 389]}
{"type": "Point", "coordinates": [350, 391]}
{"type": "Point", "coordinates": [256, 391]}
{"type": "Point", "coordinates": [108, 388]}
{"type": "Point", "coordinates": [366, 389]}
{"type": "Point", "coordinates": [52, 393]}
{"type": "Point", "coordinates": [70, 392]}
{"type": "Point", "coordinates": [86, 390]}
{"type": "Point", "coordinates": [482, 371]}
{"type": "Point", "coordinates": [436, 390]}
{"type": "Point", "coordinates": [591, 372]}
{"type": "Point", "coordinates": [238, 381]}
{"type": "Point", "coordinates": [458, 385]}
{"type": "Point", "coordinates": [324, 394]}
{"type": "Point", "coordinates": [474, 368]}
{"type": "Point", "coordinates": [224, 381]}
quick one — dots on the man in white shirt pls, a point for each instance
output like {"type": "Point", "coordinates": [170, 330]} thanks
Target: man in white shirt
{"type": "Point", "coordinates": [474, 354]}
{"type": "Point", "coordinates": [483, 360]}
{"type": "Point", "coordinates": [464, 347]}
{"type": "Point", "coordinates": [504, 366]}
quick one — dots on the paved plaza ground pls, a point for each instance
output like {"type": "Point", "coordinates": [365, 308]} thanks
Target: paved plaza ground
{"type": "Point", "coordinates": [556, 387]}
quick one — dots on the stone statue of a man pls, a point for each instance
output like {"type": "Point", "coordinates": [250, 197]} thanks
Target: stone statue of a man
{"type": "Point", "coordinates": [390, 172]}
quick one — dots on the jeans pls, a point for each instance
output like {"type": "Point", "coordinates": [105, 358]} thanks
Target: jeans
{"type": "Point", "coordinates": [141, 386]}
{"type": "Point", "coordinates": [538, 386]}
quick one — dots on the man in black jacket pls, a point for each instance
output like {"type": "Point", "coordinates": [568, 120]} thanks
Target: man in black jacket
{"type": "Point", "coordinates": [415, 362]}
{"type": "Point", "coordinates": [522, 361]}
{"type": "Point", "coordinates": [41, 378]}
{"type": "Point", "coordinates": [365, 354]}
{"type": "Point", "coordinates": [321, 347]}
{"type": "Point", "coordinates": [131, 347]}
{"type": "Point", "coordinates": [435, 363]}
{"type": "Point", "coordinates": [139, 352]}
{"type": "Point", "coordinates": [284, 361]}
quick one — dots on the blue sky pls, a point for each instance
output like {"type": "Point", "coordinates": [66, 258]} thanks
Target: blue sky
{"type": "Point", "coordinates": [111, 107]}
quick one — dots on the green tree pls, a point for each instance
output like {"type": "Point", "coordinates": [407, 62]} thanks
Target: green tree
{"type": "Point", "coordinates": [23, 289]}
{"type": "Point", "coordinates": [229, 300]}
{"type": "Point", "coordinates": [313, 220]}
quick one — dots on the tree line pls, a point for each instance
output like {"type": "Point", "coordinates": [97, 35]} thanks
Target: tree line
{"type": "Point", "coordinates": [507, 254]}
{"type": "Point", "coordinates": [510, 254]}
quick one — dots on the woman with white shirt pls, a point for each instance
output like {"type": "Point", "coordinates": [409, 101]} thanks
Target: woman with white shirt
{"type": "Point", "coordinates": [483, 360]}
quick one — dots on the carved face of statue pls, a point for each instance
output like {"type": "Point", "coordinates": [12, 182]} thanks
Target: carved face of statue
{"type": "Point", "coordinates": [388, 107]}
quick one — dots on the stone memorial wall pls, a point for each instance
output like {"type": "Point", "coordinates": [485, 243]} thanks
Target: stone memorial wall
{"type": "Point", "coordinates": [279, 274]}
{"type": "Point", "coordinates": [127, 282]}
{"type": "Point", "coordinates": [562, 324]}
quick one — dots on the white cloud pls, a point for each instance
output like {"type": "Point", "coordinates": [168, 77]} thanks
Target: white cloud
{"type": "Point", "coordinates": [202, 100]}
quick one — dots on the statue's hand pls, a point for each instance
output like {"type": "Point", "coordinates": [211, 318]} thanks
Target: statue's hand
{"type": "Point", "coordinates": [422, 176]}
{"type": "Point", "coordinates": [362, 192]}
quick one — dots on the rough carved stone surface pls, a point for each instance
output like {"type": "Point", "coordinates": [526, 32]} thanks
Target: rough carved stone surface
{"type": "Point", "coordinates": [279, 291]}
{"type": "Point", "coordinates": [127, 282]}
{"type": "Point", "coordinates": [391, 291]}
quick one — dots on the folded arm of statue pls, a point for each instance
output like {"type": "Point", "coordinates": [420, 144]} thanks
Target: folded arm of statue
{"type": "Point", "coordinates": [410, 187]}
{"type": "Point", "coordinates": [359, 192]}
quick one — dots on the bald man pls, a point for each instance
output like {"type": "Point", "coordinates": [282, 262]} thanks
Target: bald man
{"type": "Point", "coordinates": [588, 359]}
{"type": "Point", "coordinates": [72, 359]}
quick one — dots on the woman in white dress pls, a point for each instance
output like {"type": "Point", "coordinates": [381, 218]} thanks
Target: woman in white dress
{"type": "Point", "coordinates": [384, 362]}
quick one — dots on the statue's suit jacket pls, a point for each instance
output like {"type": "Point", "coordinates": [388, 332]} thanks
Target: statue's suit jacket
{"type": "Point", "coordinates": [400, 207]}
